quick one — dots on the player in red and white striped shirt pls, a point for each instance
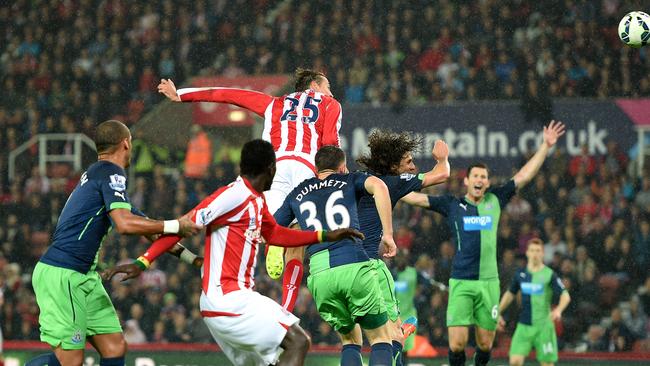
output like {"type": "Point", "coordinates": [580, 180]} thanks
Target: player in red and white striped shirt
{"type": "Point", "coordinates": [250, 328]}
{"type": "Point", "coordinates": [297, 125]}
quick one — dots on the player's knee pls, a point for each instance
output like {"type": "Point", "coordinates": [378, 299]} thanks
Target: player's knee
{"type": "Point", "coordinates": [517, 361]}
{"type": "Point", "coordinates": [73, 358]}
{"type": "Point", "coordinates": [297, 339]}
{"type": "Point", "coordinates": [457, 346]}
{"type": "Point", "coordinates": [484, 345]}
{"type": "Point", "coordinates": [117, 348]}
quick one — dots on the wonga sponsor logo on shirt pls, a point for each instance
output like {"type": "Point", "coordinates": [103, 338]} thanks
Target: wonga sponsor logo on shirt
{"type": "Point", "coordinates": [530, 288]}
{"type": "Point", "coordinates": [477, 223]}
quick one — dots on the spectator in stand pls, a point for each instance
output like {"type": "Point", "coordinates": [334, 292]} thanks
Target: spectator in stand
{"type": "Point", "coordinates": [584, 163]}
{"type": "Point", "coordinates": [642, 199]}
{"type": "Point", "coordinates": [618, 336]}
{"type": "Point", "coordinates": [199, 154]}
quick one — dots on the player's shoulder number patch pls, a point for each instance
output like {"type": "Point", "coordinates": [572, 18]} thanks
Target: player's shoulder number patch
{"type": "Point", "coordinates": [118, 182]}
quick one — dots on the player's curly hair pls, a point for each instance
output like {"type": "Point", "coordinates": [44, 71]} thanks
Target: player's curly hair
{"type": "Point", "coordinates": [387, 149]}
{"type": "Point", "coordinates": [304, 77]}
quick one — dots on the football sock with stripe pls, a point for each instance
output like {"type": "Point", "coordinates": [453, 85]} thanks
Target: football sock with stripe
{"type": "Point", "coordinates": [291, 284]}
{"type": "Point", "coordinates": [397, 354]}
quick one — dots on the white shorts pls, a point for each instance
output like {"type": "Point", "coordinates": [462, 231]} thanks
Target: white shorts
{"type": "Point", "coordinates": [288, 175]}
{"type": "Point", "coordinates": [248, 327]}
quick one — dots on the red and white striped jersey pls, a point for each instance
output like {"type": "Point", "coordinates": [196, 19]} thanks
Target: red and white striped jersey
{"type": "Point", "coordinates": [236, 219]}
{"type": "Point", "coordinates": [296, 124]}
{"type": "Point", "coordinates": [233, 217]}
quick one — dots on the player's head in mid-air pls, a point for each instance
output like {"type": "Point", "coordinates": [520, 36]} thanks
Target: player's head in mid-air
{"type": "Point", "coordinates": [258, 163]}
{"type": "Point", "coordinates": [113, 142]}
{"type": "Point", "coordinates": [477, 181]}
{"type": "Point", "coordinates": [331, 159]}
{"type": "Point", "coordinates": [535, 252]}
{"type": "Point", "coordinates": [391, 153]}
{"type": "Point", "coordinates": [314, 80]}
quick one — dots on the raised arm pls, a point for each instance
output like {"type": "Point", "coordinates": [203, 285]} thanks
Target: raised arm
{"type": "Point", "coordinates": [254, 101]}
{"type": "Point", "coordinates": [416, 199]}
{"type": "Point", "coordinates": [442, 169]}
{"type": "Point", "coordinates": [378, 189]}
{"type": "Point", "coordinates": [551, 133]}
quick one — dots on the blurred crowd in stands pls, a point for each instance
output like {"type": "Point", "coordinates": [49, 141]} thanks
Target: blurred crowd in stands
{"type": "Point", "coordinates": [594, 219]}
{"type": "Point", "coordinates": [67, 65]}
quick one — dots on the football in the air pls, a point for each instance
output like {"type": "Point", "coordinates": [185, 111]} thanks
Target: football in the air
{"type": "Point", "coordinates": [634, 29]}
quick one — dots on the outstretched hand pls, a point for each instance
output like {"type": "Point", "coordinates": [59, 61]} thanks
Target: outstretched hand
{"type": "Point", "coordinates": [130, 270]}
{"type": "Point", "coordinates": [168, 88]}
{"type": "Point", "coordinates": [552, 132]}
{"type": "Point", "coordinates": [340, 234]}
{"type": "Point", "coordinates": [187, 227]}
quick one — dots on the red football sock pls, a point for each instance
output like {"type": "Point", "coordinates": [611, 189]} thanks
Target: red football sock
{"type": "Point", "coordinates": [291, 284]}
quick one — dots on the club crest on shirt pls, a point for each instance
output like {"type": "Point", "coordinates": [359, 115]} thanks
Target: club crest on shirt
{"type": "Point", "coordinates": [118, 182]}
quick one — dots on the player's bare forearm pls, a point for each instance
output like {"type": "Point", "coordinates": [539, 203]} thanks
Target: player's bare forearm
{"type": "Point", "coordinates": [530, 169]}
{"type": "Point", "coordinates": [378, 189]}
{"type": "Point", "coordinates": [130, 224]}
{"type": "Point", "coordinates": [565, 299]}
{"type": "Point", "coordinates": [176, 250]}
{"type": "Point", "coordinates": [438, 174]}
{"type": "Point", "coordinates": [506, 300]}
{"type": "Point", "coordinates": [416, 199]}
{"type": "Point", "coordinates": [551, 133]}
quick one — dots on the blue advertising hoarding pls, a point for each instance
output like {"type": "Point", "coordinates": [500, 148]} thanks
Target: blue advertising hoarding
{"type": "Point", "coordinates": [494, 133]}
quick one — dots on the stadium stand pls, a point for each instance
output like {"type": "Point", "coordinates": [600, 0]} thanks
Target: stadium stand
{"type": "Point", "coordinates": [67, 65]}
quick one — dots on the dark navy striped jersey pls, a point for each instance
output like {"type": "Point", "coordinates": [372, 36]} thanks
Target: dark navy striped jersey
{"type": "Point", "coordinates": [398, 187]}
{"type": "Point", "coordinates": [474, 229]}
{"type": "Point", "coordinates": [84, 221]}
{"type": "Point", "coordinates": [537, 291]}
{"type": "Point", "coordinates": [328, 204]}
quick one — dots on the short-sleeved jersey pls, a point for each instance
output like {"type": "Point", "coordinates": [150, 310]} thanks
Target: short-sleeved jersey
{"type": "Point", "coordinates": [296, 124]}
{"type": "Point", "coordinates": [328, 204]}
{"type": "Point", "coordinates": [398, 187]}
{"type": "Point", "coordinates": [537, 291]}
{"type": "Point", "coordinates": [235, 217]}
{"type": "Point", "coordinates": [474, 229]}
{"type": "Point", "coordinates": [84, 221]}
